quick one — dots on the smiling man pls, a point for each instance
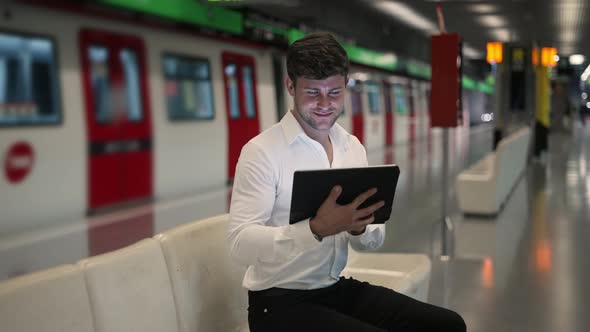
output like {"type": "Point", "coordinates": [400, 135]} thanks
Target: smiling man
{"type": "Point", "coordinates": [293, 274]}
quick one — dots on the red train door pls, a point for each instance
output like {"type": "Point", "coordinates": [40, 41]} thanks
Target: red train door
{"type": "Point", "coordinates": [239, 76]}
{"type": "Point", "coordinates": [117, 117]}
{"type": "Point", "coordinates": [388, 114]}
{"type": "Point", "coordinates": [358, 125]}
{"type": "Point", "coordinates": [412, 114]}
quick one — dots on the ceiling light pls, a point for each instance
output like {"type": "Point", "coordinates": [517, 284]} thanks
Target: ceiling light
{"type": "Point", "coordinates": [407, 15]}
{"type": "Point", "coordinates": [470, 52]}
{"type": "Point", "coordinates": [388, 58]}
{"type": "Point", "coordinates": [566, 49]}
{"type": "Point", "coordinates": [577, 59]}
{"type": "Point", "coordinates": [568, 14]}
{"type": "Point", "coordinates": [502, 35]}
{"type": "Point", "coordinates": [586, 73]}
{"type": "Point", "coordinates": [483, 8]}
{"type": "Point", "coordinates": [492, 21]}
{"type": "Point", "coordinates": [567, 36]}
{"type": "Point", "coordinates": [360, 76]}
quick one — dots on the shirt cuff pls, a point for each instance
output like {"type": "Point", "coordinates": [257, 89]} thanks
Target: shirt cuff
{"type": "Point", "coordinates": [359, 239]}
{"type": "Point", "coordinates": [369, 240]}
{"type": "Point", "coordinates": [302, 235]}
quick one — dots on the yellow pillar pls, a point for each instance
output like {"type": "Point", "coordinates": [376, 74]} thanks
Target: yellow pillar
{"type": "Point", "coordinates": [543, 96]}
{"type": "Point", "coordinates": [542, 112]}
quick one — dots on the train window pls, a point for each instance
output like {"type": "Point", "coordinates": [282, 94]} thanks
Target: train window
{"type": "Point", "coordinates": [29, 86]}
{"type": "Point", "coordinates": [188, 88]}
{"type": "Point", "coordinates": [233, 93]}
{"type": "Point", "coordinates": [373, 94]}
{"type": "Point", "coordinates": [132, 98]}
{"type": "Point", "coordinates": [400, 100]}
{"type": "Point", "coordinates": [101, 83]}
{"type": "Point", "coordinates": [249, 91]}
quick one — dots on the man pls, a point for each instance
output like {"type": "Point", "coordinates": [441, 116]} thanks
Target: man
{"type": "Point", "coordinates": [294, 270]}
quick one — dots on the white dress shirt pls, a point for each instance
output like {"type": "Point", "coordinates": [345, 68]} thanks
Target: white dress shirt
{"type": "Point", "coordinates": [279, 254]}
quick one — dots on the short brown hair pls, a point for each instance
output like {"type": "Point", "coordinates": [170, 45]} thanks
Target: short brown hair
{"type": "Point", "coordinates": [316, 56]}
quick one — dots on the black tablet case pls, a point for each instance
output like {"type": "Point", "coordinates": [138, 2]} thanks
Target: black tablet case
{"type": "Point", "coordinates": [312, 187]}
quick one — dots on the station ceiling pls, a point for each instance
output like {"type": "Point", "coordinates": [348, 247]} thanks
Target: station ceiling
{"type": "Point", "coordinates": [564, 24]}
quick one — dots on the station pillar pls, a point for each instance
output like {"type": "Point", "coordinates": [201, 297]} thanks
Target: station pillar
{"type": "Point", "coordinates": [542, 110]}
{"type": "Point", "coordinates": [501, 93]}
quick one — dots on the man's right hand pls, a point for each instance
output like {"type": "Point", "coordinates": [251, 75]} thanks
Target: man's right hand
{"type": "Point", "coordinates": [333, 218]}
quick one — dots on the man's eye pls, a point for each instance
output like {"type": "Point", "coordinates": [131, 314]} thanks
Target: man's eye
{"type": "Point", "coordinates": [312, 93]}
{"type": "Point", "coordinates": [335, 93]}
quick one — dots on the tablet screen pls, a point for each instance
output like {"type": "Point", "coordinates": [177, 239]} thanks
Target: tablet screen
{"type": "Point", "coordinates": [312, 187]}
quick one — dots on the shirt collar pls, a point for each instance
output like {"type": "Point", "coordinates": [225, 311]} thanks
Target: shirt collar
{"type": "Point", "coordinates": [292, 129]}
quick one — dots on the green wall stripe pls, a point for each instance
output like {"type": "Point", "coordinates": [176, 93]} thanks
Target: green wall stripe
{"type": "Point", "coordinates": [188, 11]}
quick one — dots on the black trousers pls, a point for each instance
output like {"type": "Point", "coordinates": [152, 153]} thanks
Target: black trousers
{"type": "Point", "coordinates": [348, 305]}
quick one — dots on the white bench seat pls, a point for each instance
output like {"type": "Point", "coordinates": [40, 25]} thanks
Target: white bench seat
{"type": "Point", "coordinates": [52, 300]}
{"type": "Point", "coordinates": [130, 289]}
{"type": "Point", "coordinates": [484, 187]}
{"type": "Point", "coordinates": [205, 280]}
{"type": "Point", "coordinates": [180, 280]}
{"type": "Point", "coordinates": [207, 285]}
{"type": "Point", "coordinates": [408, 274]}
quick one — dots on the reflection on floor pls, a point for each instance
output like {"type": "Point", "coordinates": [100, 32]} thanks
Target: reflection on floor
{"type": "Point", "coordinates": [523, 270]}
{"type": "Point", "coordinates": [526, 269]}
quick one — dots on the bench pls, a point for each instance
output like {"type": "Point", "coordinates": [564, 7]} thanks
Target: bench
{"type": "Point", "coordinates": [179, 280]}
{"type": "Point", "coordinates": [484, 187]}
{"type": "Point", "coordinates": [52, 300]}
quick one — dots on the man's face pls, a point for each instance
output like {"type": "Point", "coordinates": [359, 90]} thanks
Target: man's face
{"type": "Point", "coordinates": [318, 103]}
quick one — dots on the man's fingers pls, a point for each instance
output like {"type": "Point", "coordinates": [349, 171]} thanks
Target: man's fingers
{"type": "Point", "coordinates": [335, 193]}
{"type": "Point", "coordinates": [363, 197]}
{"type": "Point", "coordinates": [363, 222]}
{"type": "Point", "coordinates": [369, 210]}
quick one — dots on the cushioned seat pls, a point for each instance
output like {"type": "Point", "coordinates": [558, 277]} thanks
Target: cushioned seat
{"type": "Point", "coordinates": [206, 282]}
{"type": "Point", "coordinates": [484, 187]}
{"type": "Point", "coordinates": [180, 280]}
{"type": "Point", "coordinates": [207, 285]}
{"type": "Point", "coordinates": [53, 300]}
{"type": "Point", "coordinates": [408, 274]}
{"type": "Point", "coordinates": [130, 289]}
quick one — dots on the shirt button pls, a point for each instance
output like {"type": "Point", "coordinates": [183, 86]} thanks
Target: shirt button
{"type": "Point", "coordinates": [265, 310]}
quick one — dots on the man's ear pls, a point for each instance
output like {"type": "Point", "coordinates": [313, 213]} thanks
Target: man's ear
{"type": "Point", "coordinates": [290, 86]}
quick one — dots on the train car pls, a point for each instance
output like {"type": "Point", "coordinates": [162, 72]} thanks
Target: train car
{"type": "Point", "coordinates": [386, 109]}
{"type": "Point", "coordinates": [99, 112]}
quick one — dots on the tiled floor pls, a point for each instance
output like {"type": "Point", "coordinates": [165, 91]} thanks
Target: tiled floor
{"type": "Point", "coordinates": [526, 269]}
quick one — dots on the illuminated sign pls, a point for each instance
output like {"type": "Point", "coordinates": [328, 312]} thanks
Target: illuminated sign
{"type": "Point", "coordinates": [548, 58]}
{"type": "Point", "coordinates": [494, 54]}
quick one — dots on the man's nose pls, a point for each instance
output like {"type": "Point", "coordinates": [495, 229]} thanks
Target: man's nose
{"type": "Point", "coordinates": [324, 101]}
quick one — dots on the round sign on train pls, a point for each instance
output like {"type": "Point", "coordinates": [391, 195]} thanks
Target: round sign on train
{"type": "Point", "coordinates": [18, 161]}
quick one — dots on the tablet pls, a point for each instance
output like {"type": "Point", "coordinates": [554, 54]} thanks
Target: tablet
{"type": "Point", "coordinates": [312, 187]}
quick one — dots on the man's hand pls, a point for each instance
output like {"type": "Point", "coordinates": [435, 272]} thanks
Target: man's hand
{"type": "Point", "coordinates": [358, 230]}
{"type": "Point", "coordinates": [333, 218]}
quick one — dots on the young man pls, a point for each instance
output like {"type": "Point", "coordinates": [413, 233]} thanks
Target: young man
{"type": "Point", "coordinates": [294, 270]}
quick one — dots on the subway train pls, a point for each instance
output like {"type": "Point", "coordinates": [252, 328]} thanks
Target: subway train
{"type": "Point", "coordinates": [97, 112]}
